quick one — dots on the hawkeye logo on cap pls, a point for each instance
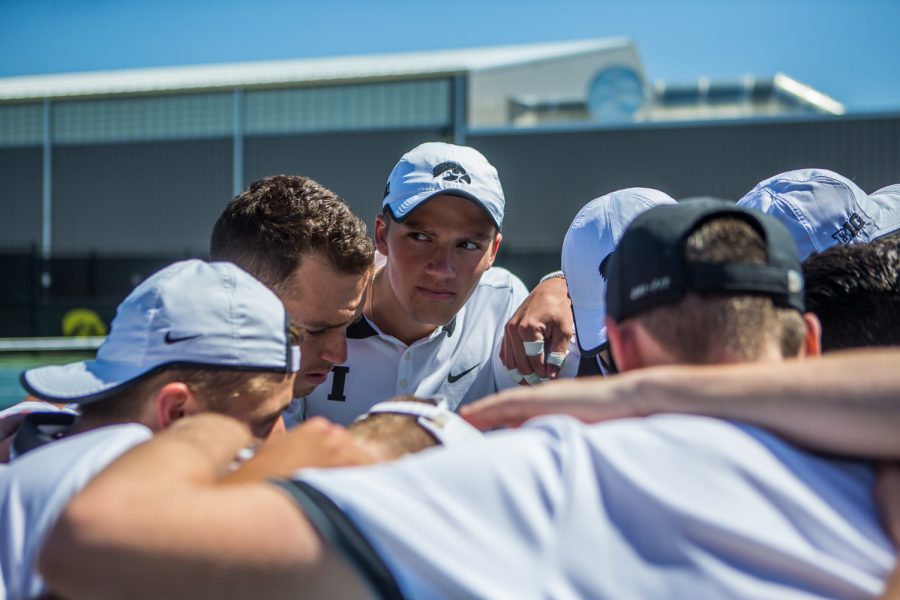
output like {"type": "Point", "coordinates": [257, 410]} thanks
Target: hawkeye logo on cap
{"type": "Point", "coordinates": [451, 171]}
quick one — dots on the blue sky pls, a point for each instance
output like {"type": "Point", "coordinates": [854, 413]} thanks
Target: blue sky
{"type": "Point", "coordinates": [850, 50]}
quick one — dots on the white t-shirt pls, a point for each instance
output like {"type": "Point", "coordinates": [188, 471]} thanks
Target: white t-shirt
{"type": "Point", "coordinates": [36, 487]}
{"type": "Point", "coordinates": [459, 361]}
{"type": "Point", "coordinates": [663, 507]}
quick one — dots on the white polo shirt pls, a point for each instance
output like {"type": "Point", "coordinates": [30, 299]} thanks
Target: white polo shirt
{"type": "Point", "coordinates": [36, 487]}
{"type": "Point", "coordinates": [662, 507]}
{"type": "Point", "coordinates": [460, 361]}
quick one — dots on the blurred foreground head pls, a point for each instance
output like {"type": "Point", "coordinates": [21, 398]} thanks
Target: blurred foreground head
{"type": "Point", "coordinates": [706, 282]}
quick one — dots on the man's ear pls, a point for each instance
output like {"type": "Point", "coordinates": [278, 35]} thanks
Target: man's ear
{"type": "Point", "coordinates": [174, 401]}
{"type": "Point", "coordinates": [381, 227]}
{"type": "Point", "coordinates": [812, 344]}
{"type": "Point", "coordinates": [495, 245]}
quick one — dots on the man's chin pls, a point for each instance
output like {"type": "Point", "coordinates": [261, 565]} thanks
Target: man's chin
{"type": "Point", "coordinates": [305, 384]}
{"type": "Point", "coordinates": [435, 318]}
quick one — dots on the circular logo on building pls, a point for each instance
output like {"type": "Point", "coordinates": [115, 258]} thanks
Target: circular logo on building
{"type": "Point", "coordinates": [615, 95]}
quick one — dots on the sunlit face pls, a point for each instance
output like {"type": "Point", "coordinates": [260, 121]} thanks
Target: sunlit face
{"type": "Point", "coordinates": [436, 256]}
{"type": "Point", "coordinates": [261, 410]}
{"type": "Point", "coordinates": [323, 303]}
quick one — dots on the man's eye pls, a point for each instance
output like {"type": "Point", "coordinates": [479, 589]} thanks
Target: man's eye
{"type": "Point", "coordinates": [420, 237]}
{"type": "Point", "coordinates": [470, 246]}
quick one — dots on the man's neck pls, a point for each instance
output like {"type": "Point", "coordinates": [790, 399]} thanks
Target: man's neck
{"type": "Point", "coordinates": [83, 424]}
{"type": "Point", "coordinates": [384, 309]}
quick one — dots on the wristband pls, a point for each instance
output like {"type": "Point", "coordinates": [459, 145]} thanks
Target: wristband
{"type": "Point", "coordinates": [553, 275]}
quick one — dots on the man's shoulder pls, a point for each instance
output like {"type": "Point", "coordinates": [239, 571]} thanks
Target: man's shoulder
{"type": "Point", "coordinates": [87, 449]}
{"type": "Point", "coordinates": [498, 289]}
{"type": "Point", "coordinates": [500, 278]}
{"type": "Point", "coordinates": [662, 446]}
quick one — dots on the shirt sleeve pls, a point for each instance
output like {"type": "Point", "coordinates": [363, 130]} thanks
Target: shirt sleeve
{"type": "Point", "coordinates": [502, 379]}
{"type": "Point", "coordinates": [442, 521]}
{"type": "Point", "coordinates": [343, 535]}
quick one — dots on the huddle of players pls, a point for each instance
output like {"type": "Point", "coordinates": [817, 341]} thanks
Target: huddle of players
{"type": "Point", "coordinates": [432, 323]}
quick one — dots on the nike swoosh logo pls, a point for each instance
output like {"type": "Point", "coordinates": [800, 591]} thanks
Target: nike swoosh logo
{"type": "Point", "coordinates": [451, 378]}
{"type": "Point", "coordinates": [171, 339]}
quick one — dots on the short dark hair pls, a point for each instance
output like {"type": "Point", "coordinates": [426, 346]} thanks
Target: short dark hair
{"type": "Point", "coordinates": [216, 387]}
{"type": "Point", "coordinates": [700, 328]}
{"type": "Point", "coordinates": [268, 228]}
{"type": "Point", "coordinates": [855, 292]}
{"type": "Point", "coordinates": [395, 435]}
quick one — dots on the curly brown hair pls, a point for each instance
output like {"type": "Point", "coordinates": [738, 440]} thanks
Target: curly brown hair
{"type": "Point", "coordinates": [268, 228]}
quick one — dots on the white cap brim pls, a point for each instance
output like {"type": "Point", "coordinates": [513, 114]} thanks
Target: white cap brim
{"type": "Point", "coordinates": [590, 328]}
{"type": "Point", "coordinates": [401, 210]}
{"type": "Point", "coordinates": [80, 382]}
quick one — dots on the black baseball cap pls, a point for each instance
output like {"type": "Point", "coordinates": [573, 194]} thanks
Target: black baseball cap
{"type": "Point", "coordinates": [649, 269]}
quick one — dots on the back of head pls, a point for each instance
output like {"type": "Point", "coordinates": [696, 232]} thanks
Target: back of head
{"type": "Point", "coordinates": [855, 292]}
{"type": "Point", "coordinates": [407, 424]}
{"type": "Point", "coordinates": [822, 208]}
{"type": "Point", "coordinates": [710, 282]}
{"type": "Point", "coordinates": [270, 226]}
{"type": "Point", "coordinates": [392, 435]}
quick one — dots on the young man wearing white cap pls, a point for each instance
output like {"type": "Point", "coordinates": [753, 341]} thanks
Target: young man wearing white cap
{"type": "Point", "coordinates": [192, 338]}
{"type": "Point", "coordinates": [434, 313]}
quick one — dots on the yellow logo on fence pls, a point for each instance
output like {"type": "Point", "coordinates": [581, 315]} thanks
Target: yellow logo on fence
{"type": "Point", "coordinates": [83, 322]}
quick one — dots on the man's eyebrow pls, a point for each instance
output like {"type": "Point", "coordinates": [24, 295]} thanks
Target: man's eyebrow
{"type": "Point", "coordinates": [412, 223]}
{"type": "Point", "coordinates": [479, 236]}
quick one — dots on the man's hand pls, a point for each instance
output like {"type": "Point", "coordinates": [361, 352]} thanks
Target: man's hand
{"type": "Point", "coordinates": [314, 443]}
{"type": "Point", "coordinates": [589, 399]}
{"type": "Point", "coordinates": [8, 428]}
{"type": "Point", "coordinates": [887, 495]}
{"type": "Point", "coordinates": [546, 314]}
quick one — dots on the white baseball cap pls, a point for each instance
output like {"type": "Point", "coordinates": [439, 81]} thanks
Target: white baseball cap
{"type": "Point", "coordinates": [822, 208]}
{"type": "Point", "coordinates": [190, 314]}
{"type": "Point", "coordinates": [446, 426]}
{"type": "Point", "coordinates": [888, 199]}
{"type": "Point", "coordinates": [436, 168]}
{"type": "Point", "coordinates": [591, 238]}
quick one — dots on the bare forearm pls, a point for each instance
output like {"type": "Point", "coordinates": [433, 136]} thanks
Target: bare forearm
{"type": "Point", "coordinates": [154, 524]}
{"type": "Point", "coordinates": [846, 403]}
{"type": "Point", "coordinates": [122, 496]}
